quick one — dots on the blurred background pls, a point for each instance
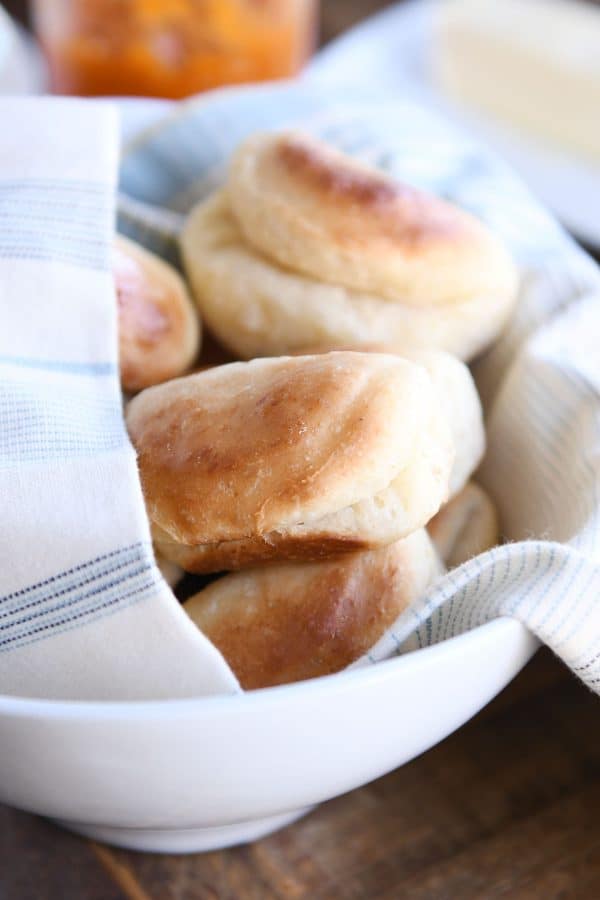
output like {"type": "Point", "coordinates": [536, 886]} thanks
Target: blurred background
{"type": "Point", "coordinates": [523, 75]}
{"type": "Point", "coordinates": [173, 48]}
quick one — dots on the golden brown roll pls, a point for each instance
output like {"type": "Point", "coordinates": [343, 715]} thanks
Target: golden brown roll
{"type": "Point", "coordinates": [290, 458]}
{"type": "Point", "coordinates": [159, 329]}
{"type": "Point", "coordinates": [458, 397]}
{"type": "Point", "coordinates": [287, 622]}
{"type": "Point", "coordinates": [306, 246]}
{"type": "Point", "coordinates": [465, 526]}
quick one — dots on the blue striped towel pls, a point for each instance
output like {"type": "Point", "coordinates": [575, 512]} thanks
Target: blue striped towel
{"type": "Point", "coordinates": [84, 612]}
{"type": "Point", "coordinates": [540, 384]}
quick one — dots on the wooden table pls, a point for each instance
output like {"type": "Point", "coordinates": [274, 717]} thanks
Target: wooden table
{"type": "Point", "coordinates": [509, 806]}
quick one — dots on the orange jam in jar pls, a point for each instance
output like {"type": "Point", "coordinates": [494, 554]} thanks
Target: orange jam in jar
{"type": "Point", "coordinates": [171, 48]}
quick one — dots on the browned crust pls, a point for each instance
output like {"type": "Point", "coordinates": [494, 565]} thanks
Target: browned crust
{"type": "Point", "coordinates": [399, 212]}
{"type": "Point", "coordinates": [158, 332]}
{"type": "Point", "coordinates": [243, 450]}
{"type": "Point", "coordinates": [203, 559]}
{"type": "Point", "coordinates": [291, 622]}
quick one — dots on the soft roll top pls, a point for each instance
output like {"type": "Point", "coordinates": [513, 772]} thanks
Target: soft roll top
{"type": "Point", "coordinates": [304, 246]}
{"type": "Point", "coordinates": [322, 213]}
{"type": "Point", "coordinates": [346, 447]}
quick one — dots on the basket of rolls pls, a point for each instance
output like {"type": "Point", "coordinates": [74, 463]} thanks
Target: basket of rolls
{"type": "Point", "coordinates": [364, 448]}
{"type": "Point", "coordinates": [368, 281]}
{"type": "Point", "coordinates": [313, 469]}
{"type": "Point", "coordinates": [327, 472]}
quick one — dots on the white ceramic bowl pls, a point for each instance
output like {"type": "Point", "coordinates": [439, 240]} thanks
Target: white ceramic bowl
{"type": "Point", "coordinates": [189, 775]}
{"type": "Point", "coordinates": [193, 775]}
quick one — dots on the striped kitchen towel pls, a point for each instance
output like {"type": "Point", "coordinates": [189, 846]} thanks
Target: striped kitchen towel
{"type": "Point", "coordinates": [540, 383]}
{"type": "Point", "coordinates": [84, 612]}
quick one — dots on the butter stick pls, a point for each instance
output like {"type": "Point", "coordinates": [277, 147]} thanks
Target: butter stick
{"type": "Point", "coordinates": [535, 64]}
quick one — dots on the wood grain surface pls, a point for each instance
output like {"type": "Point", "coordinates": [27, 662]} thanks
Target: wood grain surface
{"type": "Point", "coordinates": [508, 807]}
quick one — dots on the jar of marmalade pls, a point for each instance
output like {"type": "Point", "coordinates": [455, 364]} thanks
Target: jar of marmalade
{"type": "Point", "coordinates": [171, 48]}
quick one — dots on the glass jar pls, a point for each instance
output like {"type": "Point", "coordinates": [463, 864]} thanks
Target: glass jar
{"type": "Point", "coordinates": [171, 48]}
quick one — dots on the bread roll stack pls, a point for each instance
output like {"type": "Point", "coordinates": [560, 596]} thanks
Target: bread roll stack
{"type": "Point", "coordinates": [317, 479]}
{"type": "Point", "coordinates": [315, 475]}
{"type": "Point", "coordinates": [290, 458]}
{"type": "Point", "coordinates": [304, 246]}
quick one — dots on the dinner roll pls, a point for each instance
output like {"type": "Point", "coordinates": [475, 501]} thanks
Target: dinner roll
{"type": "Point", "coordinates": [290, 458]}
{"type": "Point", "coordinates": [461, 404]}
{"type": "Point", "coordinates": [159, 331]}
{"type": "Point", "coordinates": [306, 246]}
{"type": "Point", "coordinates": [292, 621]}
{"type": "Point", "coordinates": [459, 399]}
{"type": "Point", "coordinates": [465, 526]}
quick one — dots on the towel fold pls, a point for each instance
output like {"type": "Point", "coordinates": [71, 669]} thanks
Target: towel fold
{"type": "Point", "coordinates": [84, 612]}
{"type": "Point", "coordinates": [540, 383]}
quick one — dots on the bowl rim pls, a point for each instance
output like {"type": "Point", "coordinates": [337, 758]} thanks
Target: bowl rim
{"type": "Point", "coordinates": [338, 683]}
